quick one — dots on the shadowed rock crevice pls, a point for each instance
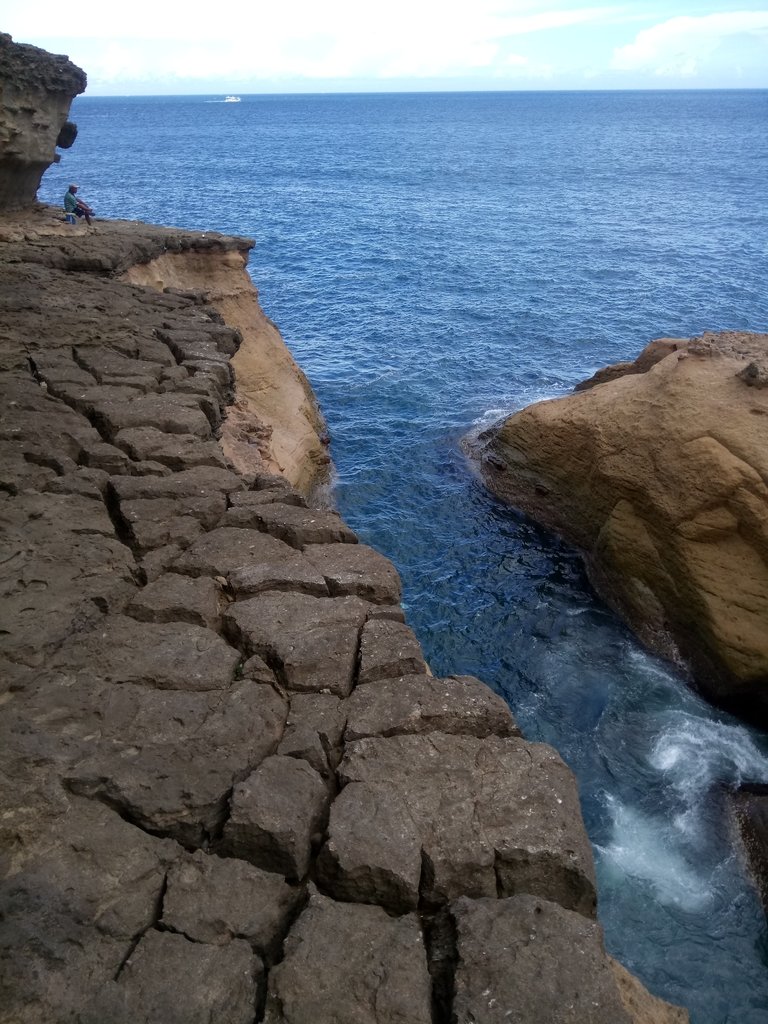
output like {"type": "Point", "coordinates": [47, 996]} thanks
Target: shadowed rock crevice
{"type": "Point", "coordinates": [155, 923]}
{"type": "Point", "coordinates": [440, 941]}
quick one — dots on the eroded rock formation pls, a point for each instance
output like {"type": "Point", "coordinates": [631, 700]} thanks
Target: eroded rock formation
{"type": "Point", "coordinates": [274, 420]}
{"type": "Point", "coordinates": [231, 789]}
{"type": "Point", "coordinates": [658, 471]}
{"type": "Point", "coordinates": [36, 91]}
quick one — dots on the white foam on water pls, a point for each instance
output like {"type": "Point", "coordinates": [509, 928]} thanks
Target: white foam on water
{"type": "Point", "coordinates": [645, 848]}
{"type": "Point", "coordinates": [695, 754]}
{"type": "Point", "coordinates": [491, 416]}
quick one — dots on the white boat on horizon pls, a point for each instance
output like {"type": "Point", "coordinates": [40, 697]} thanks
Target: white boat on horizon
{"type": "Point", "coordinates": [232, 99]}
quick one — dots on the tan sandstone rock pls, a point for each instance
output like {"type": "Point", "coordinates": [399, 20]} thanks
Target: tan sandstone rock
{"type": "Point", "coordinates": [36, 90]}
{"type": "Point", "coordinates": [274, 421]}
{"type": "Point", "coordinates": [660, 476]}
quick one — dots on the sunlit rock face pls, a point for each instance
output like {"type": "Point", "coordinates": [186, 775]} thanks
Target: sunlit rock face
{"type": "Point", "coordinates": [36, 91]}
{"type": "Point", "coordinates": [658, 471]}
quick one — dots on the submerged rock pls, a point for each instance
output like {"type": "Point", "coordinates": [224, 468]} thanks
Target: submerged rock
{"type": "Point", "coordinates": [658, 471]}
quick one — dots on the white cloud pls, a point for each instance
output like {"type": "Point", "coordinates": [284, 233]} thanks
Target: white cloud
{"type": "Point", "coordinates": [170, 44]}
{"type": "Point", "coordinates": [245, 39]}
{"type": "Point", "coordinates": [681, 46]}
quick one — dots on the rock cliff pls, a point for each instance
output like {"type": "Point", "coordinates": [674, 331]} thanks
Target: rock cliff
{"type": "Point", "coordinates": [274, 421]}
{"type": "Point", "coordinates": [36, 90]}
{"type": "Point", "coordinates": [231, 790]}
{"type": "Point", "coordinates": [658, 471]}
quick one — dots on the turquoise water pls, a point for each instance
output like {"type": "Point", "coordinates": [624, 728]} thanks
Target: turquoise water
{"type": "Point", "coordinates": [435, 261]}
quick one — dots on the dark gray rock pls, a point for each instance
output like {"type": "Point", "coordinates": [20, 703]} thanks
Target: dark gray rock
{"type": "Point", "coordinates": [751, 809]}
{"type": "Point", "coordinates": [167, 759]}
{"type": "Point", "coordinates": [285, 494]}
{"type": "Point", "coordinates": [755, 374]}
{"type": "Point", "coordinates": [164, 656]}
{"type": "Point", "coordinates": [170, 412]}
{"type": "Point", "coordinates": [348, 963]}
{"type": "Point", "coordinates": [214, 900]}
{"type": "Point", "coordinates": [174, 598]}
{"type": "Point", "coordinates": [106, 457]}
{"type": "Point", "coordinates": [158, 522]}
{"type": "Point", "coordinates": [225, 550]}
{"type": "Point", "coordinates": [459, 705]}
{"type": "Point", "coordinates": [60, 567]}
{"type": "Point", "coordinates": [200, 482]}
{"type": "Point", "coordinates": [313, 731]}
{"type": "Point", "coordinates": [443, 816]}
{"type": "Point", "coordinates": [358, 570]}
{"type": "Point", "coordinates": [87, 483]}
{"type": "Point", "coordinates": [158, 561]}
{"type": "Point", "coordinates": [177, 451]}
{"type": "Point", "coordinates": [311, 642]}
{"type": "Point", "coordinates": [292, 573]}
{"type": "Point", "coordinates": [168, 978]}
{"type": "Point", "coordinates": [257, 669]}
{"type": "Point", "coordinates": [105, 365]}
{"type": "Point", "coordinates": [525, 959]}
{"type": "Point", "coordinates": [297, 526]}
{"type": "Point", "coordinates": [84, 884]}
{"type": "Point", "coordinates": [276, 814]}
{"type": "Point", "coordinates": [388, 649]}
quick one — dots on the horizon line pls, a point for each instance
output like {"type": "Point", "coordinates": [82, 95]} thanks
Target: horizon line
{"type": "Point", "coordinates": [419, 92]}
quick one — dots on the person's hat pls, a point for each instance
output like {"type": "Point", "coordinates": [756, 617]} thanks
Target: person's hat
{"type": "Point", "coordinates": [74, 186]}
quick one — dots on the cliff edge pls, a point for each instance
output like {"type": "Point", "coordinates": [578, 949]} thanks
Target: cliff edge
{"type": "Point", "coordinates": [231, 790]}
{"type": "Point", "coordinates": [658, 471]}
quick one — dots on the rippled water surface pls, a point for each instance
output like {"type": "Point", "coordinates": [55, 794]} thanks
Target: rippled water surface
{"type": "Point", "coordinates": [435, 261]}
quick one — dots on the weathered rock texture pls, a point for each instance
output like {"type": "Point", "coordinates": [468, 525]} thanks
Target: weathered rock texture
{"type": "Point", "coordinates": [750, 804]}
{"type": "Point", "coordinates": [212, 705]}
{"type": "Point", "coordinates": [658, 471]}
{"type": "Point", "coordinates": [274, 422]}
{"type": "Point", "coordinates": [36, 90]}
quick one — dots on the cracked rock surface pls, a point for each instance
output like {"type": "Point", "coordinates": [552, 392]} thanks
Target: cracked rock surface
{"type": "Point", "coordinates": [231, 789]}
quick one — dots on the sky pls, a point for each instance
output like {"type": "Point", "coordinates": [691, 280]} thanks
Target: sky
{"type": "Point", "coordinates": [159, 47]}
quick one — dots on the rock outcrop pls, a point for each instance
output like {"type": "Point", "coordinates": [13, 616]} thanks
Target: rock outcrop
{"type": "Point", "coordinates": [36, 91]}
{"type": "Point", "coordinates": [658, 471]}
{"type": "Point", "coordinates": [274, 421]}
{"type": "Point", "coordinates": [231, 790]}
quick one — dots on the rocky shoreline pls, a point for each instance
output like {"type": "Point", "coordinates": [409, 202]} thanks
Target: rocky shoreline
{"type": "Point", "coordinates": [231, 789]}
{"type": "Point", "coordinates": [657, 470]}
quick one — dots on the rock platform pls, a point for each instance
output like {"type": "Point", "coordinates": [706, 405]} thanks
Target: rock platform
{"type": "Point", "coordinates": [231, 789]}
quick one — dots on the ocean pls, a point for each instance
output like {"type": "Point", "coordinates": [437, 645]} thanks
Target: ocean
{"type": "Point", "coordinates": [435, 261]}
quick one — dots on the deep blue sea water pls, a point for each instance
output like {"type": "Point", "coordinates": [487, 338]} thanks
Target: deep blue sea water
{"type": "Point", "coordinates": [437, 260]}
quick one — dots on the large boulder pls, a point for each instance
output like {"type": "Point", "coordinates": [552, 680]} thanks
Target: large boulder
{"type": "Point", "coordinates": [660, 475]}
{"type": "Point", "coordinates": [36, 91]}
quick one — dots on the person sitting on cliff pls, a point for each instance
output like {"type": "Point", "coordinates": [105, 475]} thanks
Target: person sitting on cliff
{"type": "Point", "coordinates": [78, 207]}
